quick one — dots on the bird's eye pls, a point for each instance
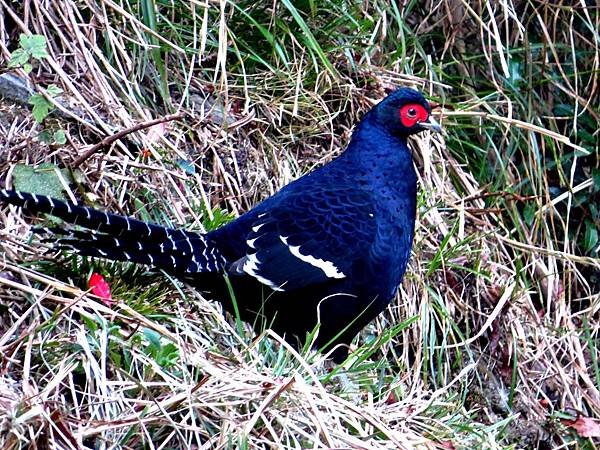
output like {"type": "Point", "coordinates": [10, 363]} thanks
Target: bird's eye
{"type": "Point", "coordinates": [412, 114]}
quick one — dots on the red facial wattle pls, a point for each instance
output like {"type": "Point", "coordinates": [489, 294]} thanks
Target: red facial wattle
{"type": "Point", "coordinates": [412, 114]}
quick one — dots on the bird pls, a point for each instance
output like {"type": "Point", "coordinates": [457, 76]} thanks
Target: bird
{"type": "Point", "coordinates": [327, 252]}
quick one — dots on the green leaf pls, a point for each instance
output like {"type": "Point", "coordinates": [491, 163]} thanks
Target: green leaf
{"type": "Point", "coordinates": [153, 337]}
{"type": "Point", "coordinates": [590, 239]}
{"type": "Point", "coordinates": [219, 218]}
{"type": "Point", "coordinates": [44, 180]}
{"type": "Point", "coordinates": [515, 71]}
{"type": "Point", "coordinates": [586, 138]}
{"type": "Point", "coordinates": [529, 213]}
{"type": "Point", "coordinates": [90, 325]}
{"type": "Point", "coordinates": [45, 137]}
{"type": "Point", "coordinates": [18, 58]}
{"type": "Point", "coordinates": [563, 109]}
{"type": "Point", "coordinates": [34, 45]}
{"type": "Point", "coordinates": [167, 356]}
{"type": "Point", "coordinates": [596, 178]}
{"type": "Point", "coordinates": [53, 90]}
{"type": "Point", "coordinates": [60, 137]}
{"type": "Point", "coordinates": [41, 107]}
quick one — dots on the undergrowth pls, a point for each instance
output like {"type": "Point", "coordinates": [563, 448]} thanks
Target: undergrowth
{"type": "Point", "coordinates": [493, 339]}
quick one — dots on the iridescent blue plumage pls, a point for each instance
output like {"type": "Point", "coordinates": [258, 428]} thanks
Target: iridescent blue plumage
{"type": "Point", "coordinates": [329, 248]}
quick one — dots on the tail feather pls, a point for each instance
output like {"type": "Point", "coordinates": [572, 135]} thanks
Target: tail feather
{"type": "Point", "coordinates": [122, 238]}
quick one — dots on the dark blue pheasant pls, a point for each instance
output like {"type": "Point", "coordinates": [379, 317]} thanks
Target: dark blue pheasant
{"type": "Point", "coordinates": [330, 248]}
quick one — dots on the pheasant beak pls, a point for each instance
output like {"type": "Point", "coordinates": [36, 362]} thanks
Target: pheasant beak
{"type": "Point", "coordinates": [432, 125]}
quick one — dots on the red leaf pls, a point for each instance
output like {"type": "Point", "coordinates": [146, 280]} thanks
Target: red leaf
{"type": "Point", "coordinates": [391, 399]}
{"type": "Point", "coordinates": [101, 288]}
{"type": "Point", "coordinates": [584, 426]}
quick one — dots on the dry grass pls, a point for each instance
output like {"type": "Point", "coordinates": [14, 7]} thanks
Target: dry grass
{"type": "Point", "coordinates": [493, 342]}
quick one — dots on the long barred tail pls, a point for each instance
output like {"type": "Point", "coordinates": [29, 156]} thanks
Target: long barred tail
{"type": "Point", "coordinates": [122, 238]}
